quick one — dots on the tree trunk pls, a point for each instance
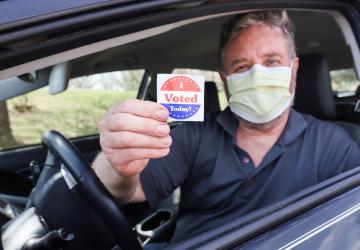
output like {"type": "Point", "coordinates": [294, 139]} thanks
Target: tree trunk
{"type": "Point", "coordinates": [6, 137]}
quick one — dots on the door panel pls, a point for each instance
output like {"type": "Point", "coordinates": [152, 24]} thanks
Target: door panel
{"type": "Point", "coordinates": [15, 174]}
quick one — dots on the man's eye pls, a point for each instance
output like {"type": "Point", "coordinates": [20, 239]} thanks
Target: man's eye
{"type": "Point", "coordinates": [272, 62]}
{"type": "Point", "coordinates": [242, 68]}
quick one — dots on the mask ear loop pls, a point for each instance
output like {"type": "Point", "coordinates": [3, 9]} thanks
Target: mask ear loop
{"type": "Point", "coordinates": [292, 94]}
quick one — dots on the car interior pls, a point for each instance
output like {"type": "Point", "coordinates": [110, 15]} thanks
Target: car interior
{"type": "Point", "coordinates": [25, 170]}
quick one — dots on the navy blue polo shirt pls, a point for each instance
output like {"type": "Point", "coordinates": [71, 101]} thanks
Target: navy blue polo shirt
{"type": "Point", "coordinates": [219, 181]}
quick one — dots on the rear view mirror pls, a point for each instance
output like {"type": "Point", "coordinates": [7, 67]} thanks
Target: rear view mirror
{"type": "Point", "coordinates": [59, 78]}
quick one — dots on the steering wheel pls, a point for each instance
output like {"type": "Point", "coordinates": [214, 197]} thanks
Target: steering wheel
{"type": "Point", "coordinates": [79, 173]}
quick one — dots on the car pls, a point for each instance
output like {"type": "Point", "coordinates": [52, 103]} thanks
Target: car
{"type": "Point", "coordinates": [64, 63]}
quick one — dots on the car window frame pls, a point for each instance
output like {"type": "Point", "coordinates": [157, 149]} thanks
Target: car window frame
{"type": "Point", "coordinates": [346, 10]}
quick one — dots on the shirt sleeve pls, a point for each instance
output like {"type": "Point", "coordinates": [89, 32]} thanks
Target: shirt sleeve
{"type": "Point", "coordinates": [342, 154]}
{"type": "Point", "coordinates": [162, 176]}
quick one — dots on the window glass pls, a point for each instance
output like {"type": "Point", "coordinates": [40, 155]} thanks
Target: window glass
{"type": "Point", "coordinates": [74, 112]}
{"type": "Point", "coordinates": [209, 76]}
{"type": "Point", "coordinates": [344, 80]}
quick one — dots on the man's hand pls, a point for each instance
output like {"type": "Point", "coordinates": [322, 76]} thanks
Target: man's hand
{"type": "Point", "coordinates": [131, 133]}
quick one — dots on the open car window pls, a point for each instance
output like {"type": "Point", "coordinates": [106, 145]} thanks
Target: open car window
{"type": "Point", "coordinates": [75, 112]}
{"type": "Point", "coordinates": [164, 41]}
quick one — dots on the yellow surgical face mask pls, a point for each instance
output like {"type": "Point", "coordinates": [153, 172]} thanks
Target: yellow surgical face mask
{"type": "Point", "coordinates": [260, 94]}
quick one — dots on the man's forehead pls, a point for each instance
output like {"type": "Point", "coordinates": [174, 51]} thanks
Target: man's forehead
{"type": "Point", "coordinates": [258, 32]}
{"type": "Point", "coordinates": [259, 39]}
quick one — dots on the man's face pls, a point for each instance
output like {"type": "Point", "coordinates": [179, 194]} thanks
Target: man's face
{"type": "Point", "coordinates": [259, 44]}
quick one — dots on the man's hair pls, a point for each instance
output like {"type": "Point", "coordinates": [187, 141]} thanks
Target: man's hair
{"type": "Point", "coordinates": [272, 18]}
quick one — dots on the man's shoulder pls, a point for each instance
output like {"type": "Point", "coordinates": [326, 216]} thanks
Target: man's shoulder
{"type": "Point", "coordinates": [331, 129]}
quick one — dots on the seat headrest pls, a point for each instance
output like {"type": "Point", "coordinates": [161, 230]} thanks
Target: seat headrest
{"type": "Point", "coordinates": [211, 98]}
{"type": "Point", "coordinates": [313, 93]}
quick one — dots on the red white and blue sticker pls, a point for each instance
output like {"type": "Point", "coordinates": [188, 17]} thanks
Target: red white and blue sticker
{"type": "Point", "coordinates": [182, 95]}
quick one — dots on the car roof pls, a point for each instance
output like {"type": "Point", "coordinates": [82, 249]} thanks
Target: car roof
{"type": "Point", "coordinates": [10, 9]}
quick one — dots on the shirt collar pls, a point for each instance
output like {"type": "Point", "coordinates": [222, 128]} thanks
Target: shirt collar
{"type": "Point", "coordinates": [295, 125]}
{"type": "Point", "coordinates": [228, 121]}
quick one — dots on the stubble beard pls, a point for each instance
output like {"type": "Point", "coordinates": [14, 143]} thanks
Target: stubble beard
{"type": "Point", "coordinates": [267, 126]}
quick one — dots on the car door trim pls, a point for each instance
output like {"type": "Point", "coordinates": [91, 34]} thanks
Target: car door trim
{"type": "Point", "coordinates": [321, 228]}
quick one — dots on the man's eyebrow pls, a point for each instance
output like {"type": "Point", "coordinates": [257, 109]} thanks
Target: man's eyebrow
{"type": "Point", "coordinates": [272, 54]}
{"type": "Point", "coordinates": [237, 61]}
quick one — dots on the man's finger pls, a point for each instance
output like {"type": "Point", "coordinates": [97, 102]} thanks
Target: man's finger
{"type": "Point", "coordinates": [143, 109]}
{"type": "Point", "coordinates": [126, 139]}
{"type": "Point", "coordinates": [129, 122]}
{"type": "Point", "coordinates": [121, 157]}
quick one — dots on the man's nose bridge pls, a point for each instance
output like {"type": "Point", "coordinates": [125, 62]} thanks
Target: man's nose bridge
{"type": "Point", "coordinates": [255, 71]}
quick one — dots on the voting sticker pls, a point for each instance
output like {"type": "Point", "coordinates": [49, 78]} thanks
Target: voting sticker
{"type": "Point", "coordinates": [182, 95]}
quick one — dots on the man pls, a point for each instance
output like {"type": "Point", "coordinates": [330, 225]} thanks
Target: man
{"type": "Point", "coordinates": [254, 154]}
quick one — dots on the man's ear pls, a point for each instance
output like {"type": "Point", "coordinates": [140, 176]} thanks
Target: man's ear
{"type": "Point", "coordinates": [223, 79]}
{"type": "Point", "coordinates": [222, 76]}
{"type": "Point", "coordinates": [295, 67]}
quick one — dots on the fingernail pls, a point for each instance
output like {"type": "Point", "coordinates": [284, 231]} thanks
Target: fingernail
{"type": "Point", "coordinates": [164, 129]}
{"type": "Point", "coordinates": [166, 140]}
{"type": "Point", "coordinates": [162, 114]}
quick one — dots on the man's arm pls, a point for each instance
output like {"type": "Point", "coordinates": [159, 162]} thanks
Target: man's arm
{"type": "Point", "coordinates": [131, 133]}
{"type": "Point", "coordinates": [124, 189]}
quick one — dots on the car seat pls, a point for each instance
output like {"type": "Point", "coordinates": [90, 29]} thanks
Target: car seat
{"type": "Point", "coordinates": [211, 97]}
{"type": "Point", "coordinates": [314, 95]}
